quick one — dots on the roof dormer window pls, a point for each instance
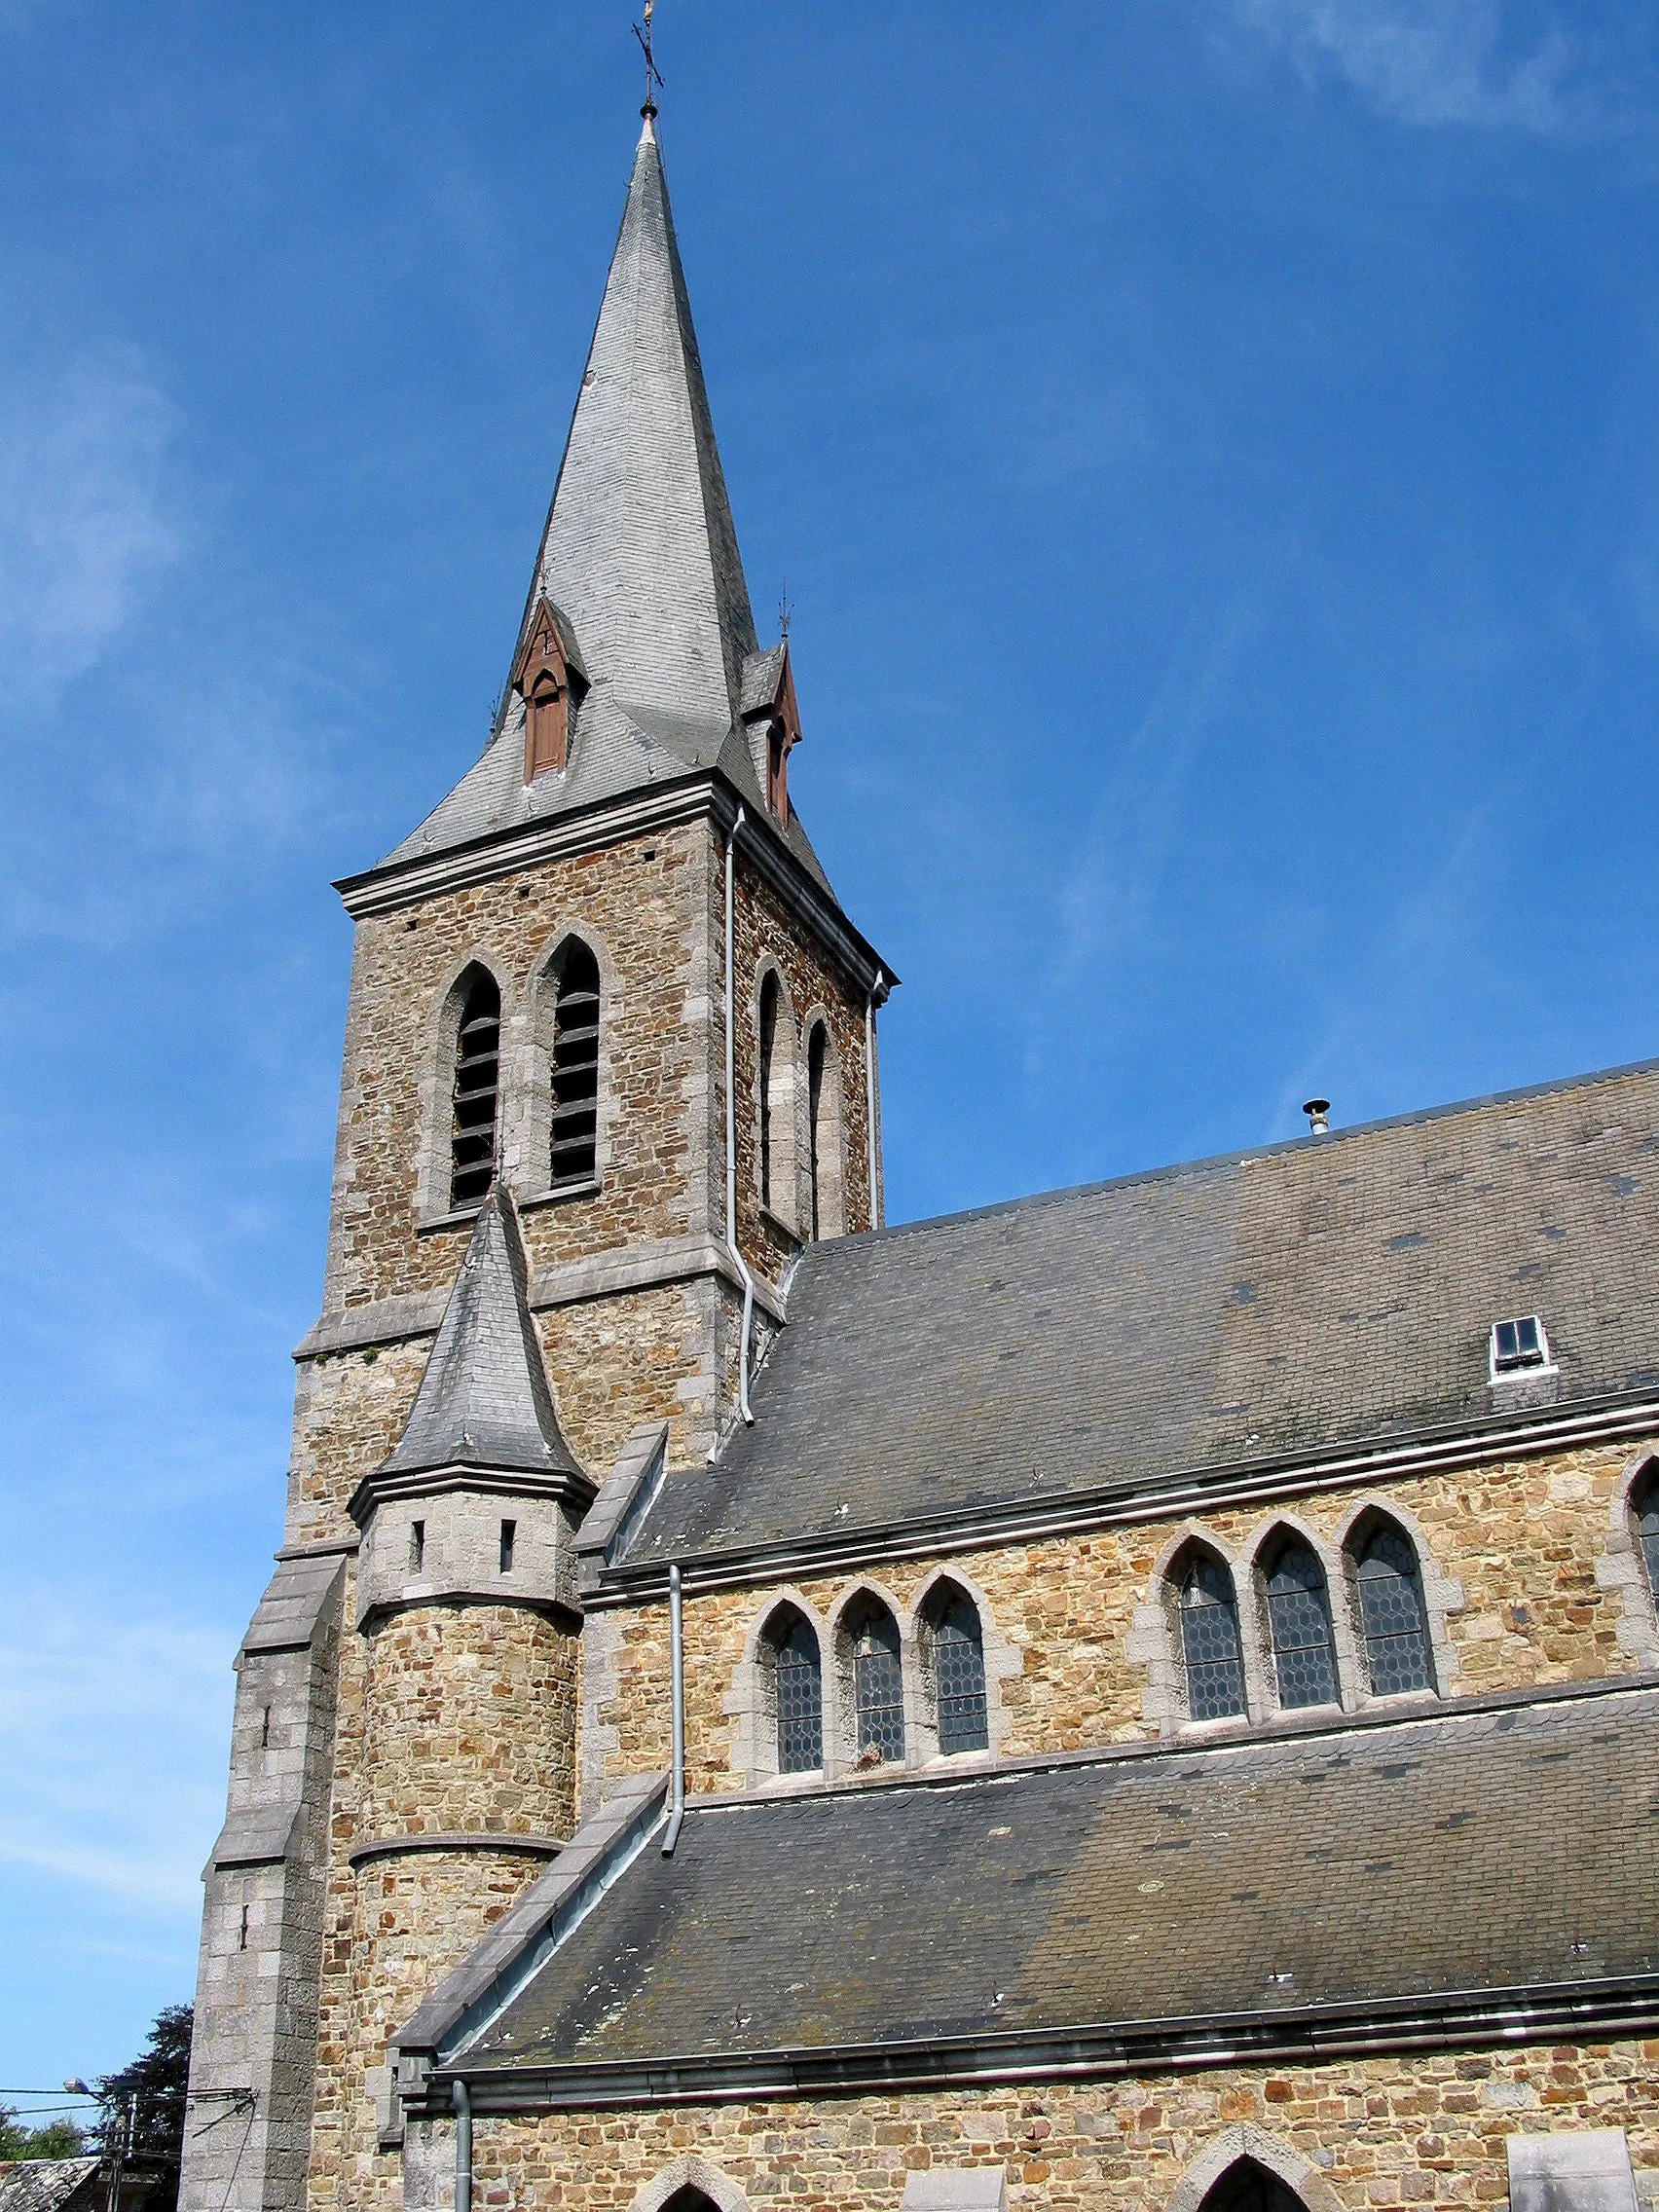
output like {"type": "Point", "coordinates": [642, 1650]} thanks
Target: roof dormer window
{"type": "Point", "coordinates": [1518, 1345]}
{"type": "Point", "coordinates": [546, 676]}
{"type": "Point", "coordinates": [773, 723]}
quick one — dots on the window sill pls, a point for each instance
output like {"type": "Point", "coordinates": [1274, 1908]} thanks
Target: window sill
{"type": "Point", "coordinates": [561, 1193]}
{"type": "Point", "coordinates": [459, 1217]}
{"type": "Point", "coordinates": [777, 1222]}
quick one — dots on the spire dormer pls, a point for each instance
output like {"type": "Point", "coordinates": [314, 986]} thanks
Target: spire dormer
{"type": "Point", "coordinates": [548, 677]}
{"type": "Point", "coordinates": [772, 721]}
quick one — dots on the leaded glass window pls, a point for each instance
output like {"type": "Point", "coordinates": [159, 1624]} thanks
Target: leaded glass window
{"type": "Point", "coordinates": [878, 1688]}
{"type": "Point", "coordinates": [1299, 1615]}
{"type": "Point", "coordinates": [798, 1689]}
{"type": "Point", "coordinates": [1648, 1530]}
{"type": "Point", "coordinates": [1209, 1641]}
{"type": "Point", "coordinates": [1391, 1614]}
{"type": "Point", "coordinates": [959, 1667]}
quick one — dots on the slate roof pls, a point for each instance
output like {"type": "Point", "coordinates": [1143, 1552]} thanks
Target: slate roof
{"type": "Point", "coordinates": [1462, 1850]}
{"type": "Point", "coordinates": [639, 559]}
{"type": "Point", "coordinates": [484, 1400]}
{"type": "Point", "coordinates": [45, 2185]}
{"type": "Point", "coordinates": [1277, 1303]}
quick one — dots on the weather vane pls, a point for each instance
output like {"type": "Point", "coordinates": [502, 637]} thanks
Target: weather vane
{"type": "Point", "coordinates": [653, 75]}
{"type": "Point", "coordinates": [785, 611]}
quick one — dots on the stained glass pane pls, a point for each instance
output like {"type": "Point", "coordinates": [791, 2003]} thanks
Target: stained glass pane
{"type": "Point", "coordinates": [1647, 1534]}
{"type": "Point", "coordinates": [1301, 1621]}
{"type": "Point", "coordinates": [1392, 1616]}
{"type": "Point", "coordinates": [960, 1661]}
{"type": "Point", "coordinates": [878, 1690]}
{"type": "Point", "coordinates": [1209, 1642]}
{"type": "Point", "coordinates": [799, 1700]}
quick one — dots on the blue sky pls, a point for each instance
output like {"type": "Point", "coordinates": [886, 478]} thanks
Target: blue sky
{"type": "Point", "coordinates": [1211, 445]}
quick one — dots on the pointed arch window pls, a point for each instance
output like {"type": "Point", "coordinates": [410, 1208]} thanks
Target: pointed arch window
{"type": "Point", "coordinates": [1645, 1510]}
{"type": "Point", "coordinates": [768, 1061]}
{"type": "Point", "coordinates": [477, 1076]}
{"type": "Point", "coordinates": [959, 1675]}
{"type": "Point", "coordinates": [575, 1143]}
{"type": "Point", "coordinates": [878, 1686]}
{"type": "Point", "coordinates": [1246, 2186]}
{"type": "Point", "coordinates": [1212, 1657]}
{"type": "Point", "coordinates": [1392, 1617]}
{"type": "Point", "coordinates": [1299, 1614]}
{"type": "Point", "coordinates": [797, 1694]}
{"type": "Point", "coordinates": [817, 1054]}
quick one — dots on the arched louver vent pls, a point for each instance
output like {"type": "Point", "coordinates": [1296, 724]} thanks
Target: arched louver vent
{"type": "Point", "coordinates": [769, 1054]}
{"type": "Point", "coordinates": [575, 1067]}
{"type": "Point", "coordinates": [815, 1059]}
{"type": "Point", "coordinates": [477, 1066]}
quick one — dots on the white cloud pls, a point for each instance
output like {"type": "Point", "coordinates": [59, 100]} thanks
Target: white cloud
{"type": "Point", "coordinates": [86, 519]}
{"type": "Point", "coordinates": [1523, 64]}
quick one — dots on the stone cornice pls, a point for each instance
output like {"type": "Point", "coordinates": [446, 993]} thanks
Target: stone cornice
{"type": "Point", "coordinates": [485, 1841]}
{"type": "Point", "coordinates": [609, 821]}
{"type": "Point", "coordinates": [647, 1267]}
{"type": "Point", "coordinates": [381, 1486]}
{"type": "Point", "coordinates": [1576, 2012]}
{"type": "Point", "coordinates": [1199, 1491]}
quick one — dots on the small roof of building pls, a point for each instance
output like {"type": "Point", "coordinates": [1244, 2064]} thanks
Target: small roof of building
{"type": "Point", "coordinates": [1452, 1852]}
{"type": "Point", "coordinates": [1282, 1303]}
{"type": "Point", "coordinates": [47, 2185]}
{"type": "Point", "coordinates": [484, 1400]}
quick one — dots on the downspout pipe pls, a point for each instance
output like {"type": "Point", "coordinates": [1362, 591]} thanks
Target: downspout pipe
{"type": "Point", "coordinates": [870, 1098]}
{"type": "Point", "coordinates": [746, 1280]}
{"type": "Point", "coordinates": [676, 1716]}
{"type": "Point", "coordinates": [460, 2097]}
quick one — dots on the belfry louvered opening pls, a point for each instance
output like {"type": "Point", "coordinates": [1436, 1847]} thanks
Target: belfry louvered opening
{"type": "Point", "coordinates": [574, 1145]}
{"type": "Point", "coordinates": [477, 1083]}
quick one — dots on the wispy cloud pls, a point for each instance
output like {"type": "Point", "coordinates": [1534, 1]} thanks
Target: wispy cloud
{"type": "Point", "coordinates": [86, 519]}
{"type": "Point", "coordinates": [1522, 64]}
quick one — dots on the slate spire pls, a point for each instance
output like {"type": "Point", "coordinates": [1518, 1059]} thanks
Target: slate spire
{"type": "Point", "coordinates": [484, 1400]}
{"type": "Point", "coordinates": [640, 553]}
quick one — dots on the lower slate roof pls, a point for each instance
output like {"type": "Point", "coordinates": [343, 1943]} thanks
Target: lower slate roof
{"type": "Point", "coordinates": [1501, 1847]}
{"type": "Point", "coordinates": [1282, 1303]}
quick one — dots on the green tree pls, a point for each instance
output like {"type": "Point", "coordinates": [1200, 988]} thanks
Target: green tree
{"type": "Point", "coordinates": [56, 2139]}
{"type": "Point", "coordinates": [157, 2079]}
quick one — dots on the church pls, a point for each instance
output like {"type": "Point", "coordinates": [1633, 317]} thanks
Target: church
{"type": "Point", "coordinates": [1130, 1700]}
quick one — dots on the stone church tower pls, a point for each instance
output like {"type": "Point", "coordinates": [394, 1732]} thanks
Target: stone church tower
{"type": "Point", "coordinates": [608, 1069]}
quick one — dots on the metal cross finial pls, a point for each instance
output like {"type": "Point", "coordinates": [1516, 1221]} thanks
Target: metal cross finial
{"type": "Point", "coordinates": [653, 75]}
{"type": "Point", "coordinates": [785, 610]}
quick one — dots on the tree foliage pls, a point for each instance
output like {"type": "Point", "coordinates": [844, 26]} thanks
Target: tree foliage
{"type": "Point", "coordinates": [57, 2138]}
{"type": "Point", "coordinates": [157, 2079]}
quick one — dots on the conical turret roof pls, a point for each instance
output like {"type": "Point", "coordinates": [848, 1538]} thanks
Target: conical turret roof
{"type": "Point", "coordinates": [484, 1400]}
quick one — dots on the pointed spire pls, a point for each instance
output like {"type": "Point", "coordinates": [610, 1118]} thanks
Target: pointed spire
{"type": "Point", "coordinates": [640, 554]}
{"type": "Point", "coordinates": [484, 1400]}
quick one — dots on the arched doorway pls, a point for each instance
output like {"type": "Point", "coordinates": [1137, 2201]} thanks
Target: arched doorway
{"type": "Point", "coordinates": [1246, 2186]}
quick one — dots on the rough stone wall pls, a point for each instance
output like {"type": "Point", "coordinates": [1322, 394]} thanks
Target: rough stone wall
{"type": "Point", "coordinates": [469, 1723]}
{"type": "Point", "coordinates": [764, 930]}
{"type": "Point", "coordinates": [1427, 2130]}
{"type": "Point", "coordinates": [1520, 1541]}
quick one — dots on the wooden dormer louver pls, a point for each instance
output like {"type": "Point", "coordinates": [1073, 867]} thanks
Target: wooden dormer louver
{"type": "Point", "coordinates": [542, 677]}
{"type": "Point", "coordinates": [783, 735]}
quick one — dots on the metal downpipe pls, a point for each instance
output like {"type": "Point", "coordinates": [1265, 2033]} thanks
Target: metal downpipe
{"type": "Point", "coordinates": [460, 2097]}
{"type": "Point", "coordinates": [748, 1279]}
{"type": "Point", "coordinates": [677, 1718]}
{"type": "Point", "coordinates": [869, 1100]}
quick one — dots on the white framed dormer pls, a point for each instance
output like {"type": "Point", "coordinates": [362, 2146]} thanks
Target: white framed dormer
{"type": "Point", "coordinates": [1521, 1366]}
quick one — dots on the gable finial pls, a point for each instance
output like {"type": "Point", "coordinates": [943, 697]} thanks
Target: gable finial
{"type": "Point", "coordinates": [785, 611]}
{"type": "Point", "coordinates": [653, 75]}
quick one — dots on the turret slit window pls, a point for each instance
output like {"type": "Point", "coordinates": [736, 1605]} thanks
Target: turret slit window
{"type": "Point", "coordinates": [769, 1054]}
{"type": "Point", "coordinates": [817, 1051]}
{"type": "Point", "coordinates": [1391, 1614]}
{"type": "Point", "coordinates": [878, 1687]}
{"type": "Point", "coordinates": [477, 1075]}
{"type": "Point", "coordinates": [1211, 1654]}
{"type": "Point", "coordinates": [509, 1539]}
{"type": "Point", "coordinates": [574, 1145]}
{"type": "Point", "coordinates": [1299, 1614]}
{"type": "Point", "coordinates": [797, 1695]}
{"type": "Point", "coordinates": [959, 1674]}
{"type": "Point", "coordinates": [1645, 1506]}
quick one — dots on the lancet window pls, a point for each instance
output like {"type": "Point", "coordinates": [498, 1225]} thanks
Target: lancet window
{"type": "Point", "coordinates": [959, 1675]}
{"type": "Point", "coordinates": [797, 1694]}
{"type": "Point", "coordinates": [1645, 1509]}
{"type": "Point", "coordinates": [768, 1072]}
{"type": "Point", "coordinates": [1392, 1617]}
{"type": "Point", "coordinates": [574, 1154]}
{"type": "Point", "coordinates": [817, 1054]}
{"type": "Point", "coordinates": [1298, 1614]}
{"type": "Point", "coordinates": [878, 1686]}
{"type": "Point", "coordinates": [477, 1078]}
{"type": "Point", "coordinates": [1211, 1654]}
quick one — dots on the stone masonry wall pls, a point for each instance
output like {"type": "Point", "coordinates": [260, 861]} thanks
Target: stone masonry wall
{"type": "Point", "coordinates": [1417, 2130]}
{"type": "Point", "coordinates": [469, 1723]}
{"type": "Point", "coordinates": [1523, 1542]}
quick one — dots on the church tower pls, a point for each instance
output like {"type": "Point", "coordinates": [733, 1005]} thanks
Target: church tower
{"type": "Point", "coordinates": [608, 1069]}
